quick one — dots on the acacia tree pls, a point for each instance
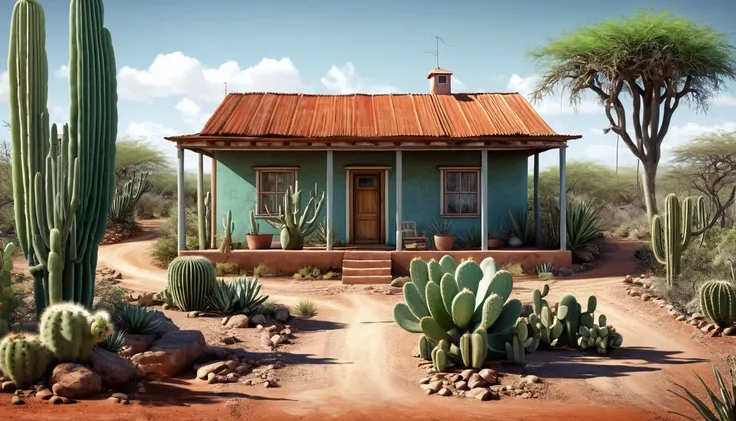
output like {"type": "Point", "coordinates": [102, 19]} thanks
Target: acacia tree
{"type": "Point", "coordinates": [707, 165]}
{"type": "Point", "coordinates": [650, 62]}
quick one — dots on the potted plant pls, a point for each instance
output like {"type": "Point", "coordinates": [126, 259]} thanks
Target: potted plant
{"type": "Point", "coordinates": [255, 240]}
{"type": "Point", "coordinates": [497, 240]}
{"type": "Point", "coordinates": [444, 239]}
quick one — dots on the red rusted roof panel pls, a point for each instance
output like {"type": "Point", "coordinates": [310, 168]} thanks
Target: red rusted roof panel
{"type": "Point", "coordinates": [458, 116]}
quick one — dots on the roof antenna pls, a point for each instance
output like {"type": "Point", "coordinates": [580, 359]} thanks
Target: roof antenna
{"type": "Point", "coordinates": [436, 51]}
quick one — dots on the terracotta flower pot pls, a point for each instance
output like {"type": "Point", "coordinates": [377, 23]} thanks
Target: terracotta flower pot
{"type": "Point", "coordinates": [444, 242]}
{"type": "Point", "coordinates": [496, 243]}
{"type": "Point", "coordinates": [259, 241]}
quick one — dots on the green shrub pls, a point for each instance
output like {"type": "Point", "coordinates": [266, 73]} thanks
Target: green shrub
{"type": "Point", "coordinates": [319, 237]}
{"type": "Point", "coordinates": [263, 271]}
{"type": "Point", "coordinates": [269, 308]}
{"type": "Point", "coordinates": [646, 262]}
{"type": "Point", "coordinates": [109, 295]}
{"type": "Point", "coordinates": [135, 320]}
{"type": "Point", "coordinates": [166, 247]}
{"type": "Point", "coordinates": [305, 308]}
{"type": "Point", "coordinates": [114, 342]}
{"type": "Point", "coordinates": [308, 272]}
{"type": "Point", "coordinates": [514, 269]}
{"type": "Point", "coordinates": [237, 296]}
{"type": "Point", "coordinates": [226, 268]}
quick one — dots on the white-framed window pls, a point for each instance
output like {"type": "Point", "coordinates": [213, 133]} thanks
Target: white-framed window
{"type": "Point", "coordinates": [460, 191]}
{"type": "Point", "coordinates": [272, 183]}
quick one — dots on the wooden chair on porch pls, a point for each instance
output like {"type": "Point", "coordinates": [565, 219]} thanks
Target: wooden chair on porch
{"type": "Point", "coordinates": [410, 239]}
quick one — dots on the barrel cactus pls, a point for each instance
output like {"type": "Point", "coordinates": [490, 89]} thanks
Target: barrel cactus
{"type": "Point", "coordinates": [62, 182]}
{"type": "Point", "coordinates": [24, 358]}
{"type": "Point", "coordinates": [446, 300]}
{"type": "Point", "coordinates": [70, 331]}
{"type": "Point", "coordinates": [718, 302]}
{"type": "Point", "coordinates": [191, 279]}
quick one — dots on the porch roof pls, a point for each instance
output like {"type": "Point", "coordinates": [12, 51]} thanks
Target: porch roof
{"type": "Point", "coordinates": [387, 121]}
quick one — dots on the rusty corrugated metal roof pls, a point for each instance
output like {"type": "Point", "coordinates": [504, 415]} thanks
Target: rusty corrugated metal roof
{"type": "Point", "coordinates": [264, 115]}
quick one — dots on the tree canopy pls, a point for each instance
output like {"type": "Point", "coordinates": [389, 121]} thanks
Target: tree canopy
{"type": "Point", "coordinates": [656, 61]}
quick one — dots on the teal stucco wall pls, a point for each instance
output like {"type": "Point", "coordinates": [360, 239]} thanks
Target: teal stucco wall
{"type": "Point", "coordinates": [507, 185]}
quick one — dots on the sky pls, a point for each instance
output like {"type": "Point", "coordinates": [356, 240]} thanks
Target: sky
{"type": "Point", "coordinates": [176, 57]}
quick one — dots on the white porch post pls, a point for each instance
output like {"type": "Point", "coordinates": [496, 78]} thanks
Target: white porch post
{"type": "Point", "coordinates": [537, 213]}
{"type": "Point", "coordinates": [328, 200]}
{"type": "Point", "coordinates": [563, 198]}
{"type": "Point", "coordinates": [399, 197]}
{"type": "Point", "coordinates": [200, 202]}
{"type": "Point", "coordinates": [181, 213]}
{"type": "Point", "coordinates": [484, 200]}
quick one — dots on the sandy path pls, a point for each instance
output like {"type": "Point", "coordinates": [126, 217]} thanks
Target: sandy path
{"type": "Point", "coordinates": [364, 367]}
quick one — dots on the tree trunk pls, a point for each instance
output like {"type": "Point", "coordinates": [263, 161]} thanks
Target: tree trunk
{"type": "Point", "coordinates": [650, 193]}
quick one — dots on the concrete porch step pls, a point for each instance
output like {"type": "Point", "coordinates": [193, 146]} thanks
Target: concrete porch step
{"type": "Point", "coordinates": [367, 255]}
{"type": "Point", "coordinates": [366, 280]}
{"type": "Point", "coordinates": [378, 271]}
{"type": "Point", "coordinates": [369, 264]}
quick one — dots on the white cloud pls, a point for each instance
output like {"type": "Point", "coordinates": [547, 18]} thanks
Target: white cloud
{"type": "Point", "coordinates": [458, 85]}
{"type": "Point", "coordinates": [154, 134]}
{"type": "Point", "coordinates": [727, 101]}
{"type": "Point", "coordinates": [178, 74]}
{"type": "Point", "coordinates": [4, 86]}
{"type": "Point", "coordinates": [62, 72]}
{"type": "Point", "coordinates": [525, 85]}
{"type": "Point", "coordinates": [188, 107]}
{"type": "Point", "coordinates": [345, 80]}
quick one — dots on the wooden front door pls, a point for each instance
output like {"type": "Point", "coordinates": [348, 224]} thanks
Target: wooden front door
{"type": "Point", "coordinates": [367, 205]}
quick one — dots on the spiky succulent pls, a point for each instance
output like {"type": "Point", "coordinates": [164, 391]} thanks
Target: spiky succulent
{"type": "Point", "coordinates": [238, 296]}
{"type": "Point", "coordinates": [135, 320]}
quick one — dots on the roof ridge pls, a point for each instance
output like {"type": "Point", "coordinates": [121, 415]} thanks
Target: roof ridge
{"type": "Point", "coordinates": [309, 94]}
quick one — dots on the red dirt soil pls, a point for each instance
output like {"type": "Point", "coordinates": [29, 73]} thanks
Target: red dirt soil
{"type": "Point", "coordinates": [354, 363]}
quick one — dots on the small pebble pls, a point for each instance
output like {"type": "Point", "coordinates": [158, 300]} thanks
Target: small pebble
{"type": "Point", "coordinates": [16, 400]}
{"type": "Point", "coordinates": [56, 400]}
{"type": "Point", "coordinates": [121, 396]}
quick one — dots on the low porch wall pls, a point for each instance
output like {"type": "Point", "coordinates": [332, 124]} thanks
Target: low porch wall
{"type": "Point", "coordinates": [287, 262]}
{"type": "Point", "coordinates": [528, 259]}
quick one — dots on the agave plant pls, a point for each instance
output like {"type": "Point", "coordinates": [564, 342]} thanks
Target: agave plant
{"type": "Point", "coordinates": [135, 320]}
{"type": "Point", "coordinates": [114, 342]}
{"type": "Point", "coordinates": [238, 296]}
{"type": "Point", "coordinates": [583, 225]}
{"type": "Point", "coordinates": [724, 407]}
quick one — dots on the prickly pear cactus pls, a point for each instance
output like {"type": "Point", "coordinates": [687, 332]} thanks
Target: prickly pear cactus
{"type": "Point", "coordinates": [718, 302]}
{"type": "Point", "coordinates": [190, 281]}
{"type": "Point", "coordinates": [426, 346]}
{"type": "Point", "coordinates": [440, 356]}
{"type": "Point", "coordinates": [70, 331]}
{"type": "Point", "coordinates": [24, 358]}
{"type": "Point", "coordinates": [525, 340]}
{"type": "Point", "coordinates": [600, 337]}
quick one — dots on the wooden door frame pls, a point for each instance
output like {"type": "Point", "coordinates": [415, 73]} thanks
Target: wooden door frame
{"type": "Point", "coordinates": [382, 173]}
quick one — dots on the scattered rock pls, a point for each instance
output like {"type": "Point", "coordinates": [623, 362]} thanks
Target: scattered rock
{"type": "Point", "coordinates": [465, 374]}
{"type": "Point", "coordinates": [259, 319]}
{"type": "Point", "coordinates": [628, 279]}
{"type": "Point", "coordinates": [135, 344]}
{"type": "Point", "coordinates": [113, 399]}
{"type": "Point", "coordinates": [75, 381]}
{"type": "Point", "coordinates": [113, 369]}
{"type": "Point", "coordinates": [146, 300]}
{"type": "Point", "coordinates": [681, 318]}
{"type": "Point", "coordinates": [444, 392]}
{"type": "Point", "coordinates": [282, 315]}
{"type": "Point", "coordinates": [121, 396]}
{"type": "Point", "coordinates": [646, 297]}
{"type": "Point", "coordinates": [44, 394]}
{"type": "Point", "coordinates": [729, 331]}
{"type": "Point", "coordinates": [225, 320]}
{"type": "Point", "coordinates": [232, 378]}
{"type": "Point", "coordinates": [532, 379]}
{"type": "Point", "coordinates": [432, 387]}
{"type": "Point", "coordinates": [164, 325]}
{"type": "Point", "coordinates": [56, 400]}
{"type": "Point", "coordinates": [697, 316]}
{"type": "Point", "coordinates": [479, 393]}
{"type": "Point", "coordinates": [526, 395]}
{"type": "Point", "coordinates": [475, 381]}
{"type": "Point", "coordinates": [142, 389]}
{"type": "Point", "coordinates": [238, 321]}
{"type": "Point", "coordinates": [8, 387]}
{"type": "Point", "coordinates": [272, 329]}
{"type": "Point", "coordinates": [211, 378]}
{"type": "Point", "coordinates": [489, 376]}
{"type": "Point", "coordinates": [229, 340]}
{"type": "Point", "coordinates": [461, 385]}
{"type": "Point", "coordinates": [707, 328]}
{"type": "Point", "coordinates": [211, 367]}
{"type": "Point", "coordinates": [277, 340]}
{"type": "Point", "coordinates": [424, 380]}
{"type": "Point", "coordinates": [16, 400]}
{"type": "Point", "coordinates": [173, 353]}
{"type": "Point", "coordinates": [192, 314]}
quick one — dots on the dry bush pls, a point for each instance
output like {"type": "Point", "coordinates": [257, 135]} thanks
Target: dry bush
{"type": "Point", "coordinates": [152, 206]}
{"type": "Point", "coordinates": [626, 221]}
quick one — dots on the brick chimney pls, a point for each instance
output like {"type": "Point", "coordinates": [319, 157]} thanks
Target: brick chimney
{"type": "Point", "coordinates": [440, 82]}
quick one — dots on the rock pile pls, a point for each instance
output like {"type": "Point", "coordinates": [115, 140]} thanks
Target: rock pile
{"type": "Point", "coordinates": [480, 385]}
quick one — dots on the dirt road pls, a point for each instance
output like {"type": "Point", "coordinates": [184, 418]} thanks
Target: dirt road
{"type": "Point", "coordinates": [356, 363]}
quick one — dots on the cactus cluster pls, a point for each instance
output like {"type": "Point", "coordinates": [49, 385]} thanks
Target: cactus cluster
{"type": "Point", "coordinates": [718, 302]}
{"type": "Point", "coordinates": [6, 287]}
{"type": "Point", "coordinates": [544, 319]}
{"type": "Point", "coordinates": [255, 229]}
{"type": "Point", "coordinates": [525, 340]}
{"type": "Point", "coordinates": [24, 358]}
{"type": "Point", "coordinates": [672, 232]}
{"type": "Point", "coordinates": [191, 279]}
{"type": "Point", "coordinates": [294, 222]}
{"type": "Point", "coordinates": [228, 226]}
{"type": "Point", "coordinates": [463, 305]}
{"type": "Point", "coordinates": [570, 312]}
{"type": "Point", "coordinates": [600, 336]}
{"type": "Point", "coordinates": [125, 199]}
{"type": "Point", "coordinates": [70, 331]}
{"type": "Point", "coordinates": [62, 185]}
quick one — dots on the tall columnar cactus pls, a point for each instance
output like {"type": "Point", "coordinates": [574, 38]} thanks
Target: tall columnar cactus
{"type": "Point", "coordinates": [294, 222]}
{"type": "Point", "coordinates": [672, 232]}
{"type": "Point", "coordinates": [70, 331]}
{"type": "Point", "coordinates": [207, 220]}
{"type": "Point", "coordinates": [24, 358]}
{"type": "Point", "coordinates": [254, 228]}
{"type": "Point", "coordinates": [718, 302]}
{"type": "Point", "coordinates": [446, 301]}
{"type": "Point", "coordinates": [125, 199]}
{"type": "Point", "coordinates": [190, 281]}
{"type": "Point", "coordinates": [62, 188]}
{"type": "Point", "coordinates": [6, 286]}
{"type": "Point", "coordinates": [228, 226]}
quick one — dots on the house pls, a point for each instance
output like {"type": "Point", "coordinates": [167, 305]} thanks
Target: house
{"type": "Point", "coordinates": [380, 159]}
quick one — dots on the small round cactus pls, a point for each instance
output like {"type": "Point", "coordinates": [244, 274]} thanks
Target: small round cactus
{"type": "Point", "coordinates": [190, 280]}
{"type": "Point", "coordinates": [70, 331]}
{"type": "Point", "coordinates": [718, 302]}
{"type": "Point", "coordinates": [24, 358]}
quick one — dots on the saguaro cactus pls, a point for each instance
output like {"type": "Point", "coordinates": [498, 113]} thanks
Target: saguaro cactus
{"type": "Point", "coordinates": [294, 222]}
{"type": "Point", "coordinates": [672, 232]}
{"type": "Point", "coordinates": [62, 187]}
